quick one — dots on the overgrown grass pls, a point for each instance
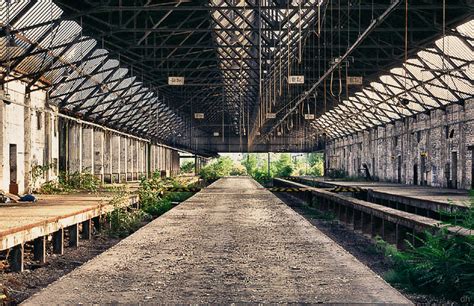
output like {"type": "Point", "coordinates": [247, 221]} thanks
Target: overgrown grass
{"type": "Point", "coordinates": [70, 182]}
{"type": "Point", "coordinates": [154, 199]}
{"type": "Point", "coordinates": [439, 263]}
{"type": "Point", "coordinates": [123, 220]}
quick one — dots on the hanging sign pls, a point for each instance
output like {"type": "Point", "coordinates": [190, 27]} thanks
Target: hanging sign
{"type": "Point", "coordinates": [354, 80]}
{"type": "Point", "coordinates": [309, 116]}
{"type": "Point", "coordinates": [175, 81]}
{"type": "Point", "coordinates": [296, 79]}
{"type": "Point", "coordinates": [270, 116]}
{"type": "Point", "coordinates": [216, 134]}
{"type": "Point", "coordinates": [198, 115]}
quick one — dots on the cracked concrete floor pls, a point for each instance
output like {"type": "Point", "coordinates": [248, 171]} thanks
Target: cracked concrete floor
{"type": "Point", "coordinates": [232, 242]}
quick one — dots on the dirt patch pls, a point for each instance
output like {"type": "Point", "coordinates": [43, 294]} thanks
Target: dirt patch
{"type": "Point", "coordinates": [360, 246]}
{"type": "Point", "coordinates": [20, 286]}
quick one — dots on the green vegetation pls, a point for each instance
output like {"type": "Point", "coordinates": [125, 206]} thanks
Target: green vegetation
{"type": "Point", "coordinates": [256, 165]}
{"type": "Point", "coordinates": [124, 220]}
{"type": "Point", "coordinates": [71, 182]}
{"type": "Point", "coordinates": [187, 167]}
{"type": "Point", "coordinates": [39, 171]}
{"type": "Point", "coordinates": [220, 167]}
{"type": "Point", "coordinates": [464, 218]}
{"type": "Point", "coordinates": [439, 263]}
{"type": "Point", "coordinates": [283, 164]}
{"type": "Point", "coordinates": [312, 212]}
{"type": "Point", "coordinates": [154, 199]}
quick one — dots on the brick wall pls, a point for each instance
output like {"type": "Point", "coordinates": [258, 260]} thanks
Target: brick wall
{"type": "Point", "coordinates": [432, 148]}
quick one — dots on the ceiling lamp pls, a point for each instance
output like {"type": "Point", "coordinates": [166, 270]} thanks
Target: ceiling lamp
{"type": "Point", "coordinates": [11, 43]}
{"type": "Point", "coordinates": [404, 101]}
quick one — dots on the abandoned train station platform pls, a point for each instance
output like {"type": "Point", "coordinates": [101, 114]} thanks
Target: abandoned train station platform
{"type": "Point", "coordinates": [225, 151]}
{"type": "Point", "coordinates": [231, 242]}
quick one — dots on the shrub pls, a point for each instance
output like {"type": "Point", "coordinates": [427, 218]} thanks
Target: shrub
{"type": "Point", "coordinates": [154, 199]}
{"type": "Point", "coordinates": [187, 167]}
{"type": "Point", "coordinates": [238, 170]}
{"type": "Point", "coordinates": [442, 265]}
{"type": "Point", "coordinates": [217, 169]}
{"type": "Point", "coordinates": [124, 221]}
{"type": "Point", "coordinates": [68, 182]}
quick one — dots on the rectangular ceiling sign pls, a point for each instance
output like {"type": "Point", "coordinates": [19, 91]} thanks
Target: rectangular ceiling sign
{"type": "Point", "coordinates": [198, 115]}
{"type": "Point", "coordinates": [271, 115]}
{"type": "Point", "coordinates": [296, 79]}
{"type": "Point", "coordinates": [309, 116]}
{"type": "Point", "coordinates": [354, 80]}
{"type": "Point", "coordinates": [216, 133]}
{"type": "Point", "coordinates": [175, 81]}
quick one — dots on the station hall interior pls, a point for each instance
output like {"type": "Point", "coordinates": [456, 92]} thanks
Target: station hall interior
{"type": "Point", "coordinates": [127, 90]}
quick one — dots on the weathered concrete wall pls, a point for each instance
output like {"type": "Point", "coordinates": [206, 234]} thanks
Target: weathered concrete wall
{"type": "Point", "coordinates": [113, 156]}
{"type": "Point", "coordinates": [432, 149]}
{"type": "Point", "coordinates": [31, 125]}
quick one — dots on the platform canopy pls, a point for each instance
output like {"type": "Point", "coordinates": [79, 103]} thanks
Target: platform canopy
{"type": "Point", "coordinates": [241, 75]}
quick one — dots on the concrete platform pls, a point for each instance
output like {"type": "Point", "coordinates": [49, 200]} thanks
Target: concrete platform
{"type": "Point", "coordinates": [23, 222]}
{"type": "Point", "coordinates": [422, 193]}
{"type": "Point", "coordinates": [229, 243]}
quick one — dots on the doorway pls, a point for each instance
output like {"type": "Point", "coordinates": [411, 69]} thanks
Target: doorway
{"type": "Point", "coordinates": [399, 170]}
{"type": "Point", "coordinates": [454, 169]}
{"type": "Point", "coordinates": [415, 174]}
{"type": "Point", "coordinates": [13, 160]}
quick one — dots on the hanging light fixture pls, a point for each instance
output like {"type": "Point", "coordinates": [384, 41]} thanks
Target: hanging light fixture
{"type": "Point", "coordinates": [404, 101]}
{"type": "Point", "coordinates": [11, 42]}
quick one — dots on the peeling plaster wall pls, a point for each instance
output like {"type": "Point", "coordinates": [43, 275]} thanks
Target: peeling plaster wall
{"type": "Point", "coordinates": [39, 133]}
{"type": "Point", "coordinates": [422, 149]}
{"type": "Point", "coordinates": [34, 131]}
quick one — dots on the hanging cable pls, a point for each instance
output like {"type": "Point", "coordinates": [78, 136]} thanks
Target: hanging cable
{"type": "Point", "coordinates": [299, 33]}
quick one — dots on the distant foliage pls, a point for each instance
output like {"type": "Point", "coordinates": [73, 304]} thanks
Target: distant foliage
{"type": "Point", "coordinates": [283, 164]}
{"type": "Point", "coordinates": [218, 168]}
{"type": "Point", "coordinates": [316, 163]}
{"type": "Point", "coordinates": [187, 167]}
{"type": "Point", "coordinates": [238, 170]}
